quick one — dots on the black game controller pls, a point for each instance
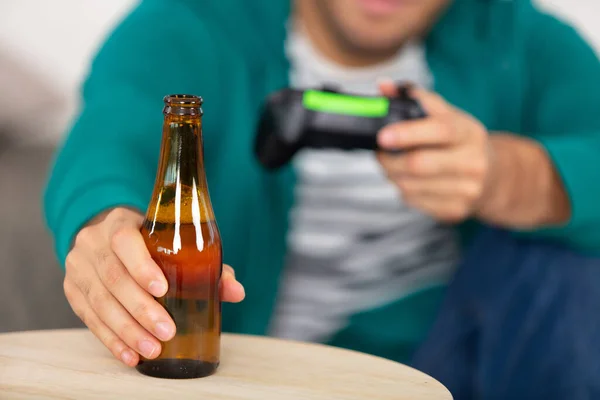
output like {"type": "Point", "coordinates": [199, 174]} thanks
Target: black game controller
{"type": "Point", "coordinates": [295, 119]}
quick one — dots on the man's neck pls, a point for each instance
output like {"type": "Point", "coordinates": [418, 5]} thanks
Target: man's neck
{"type": "Point", "coordinates": [326, 41]}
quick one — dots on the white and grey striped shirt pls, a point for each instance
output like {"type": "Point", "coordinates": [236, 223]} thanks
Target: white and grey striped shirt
{"type": "Point", "coordinates": [353, 245]}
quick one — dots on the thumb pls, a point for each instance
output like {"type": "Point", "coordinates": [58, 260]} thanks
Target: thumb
{"type": "Point", "coordinates": [231, 290]}
{"type": "Point", "coordinates": [122, 217]}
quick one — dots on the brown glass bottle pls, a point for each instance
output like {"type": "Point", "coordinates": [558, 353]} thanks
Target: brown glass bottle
{"type": "Point", "coordinates": [181, 233]}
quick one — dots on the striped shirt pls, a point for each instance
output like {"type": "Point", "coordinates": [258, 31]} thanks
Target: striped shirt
{"type": "Point", "coordinates": [353, 245]}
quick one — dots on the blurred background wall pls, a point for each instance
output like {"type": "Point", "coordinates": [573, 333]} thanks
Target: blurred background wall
{"type": "Point", "coordinates": [45, 50]}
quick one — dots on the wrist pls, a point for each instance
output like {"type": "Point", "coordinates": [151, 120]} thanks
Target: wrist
{"type": "Point", "coordinates": [556, 210]}
{"type": "Point", "coordinates": [522, 188]}
{"type": "Point", "coordinates": [491, 194]}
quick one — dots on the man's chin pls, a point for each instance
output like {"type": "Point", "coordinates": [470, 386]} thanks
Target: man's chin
{"type": "Point", "coordinates": [375, 48]}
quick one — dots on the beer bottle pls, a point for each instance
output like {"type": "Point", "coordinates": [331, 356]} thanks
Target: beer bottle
{"type": "Point", "coordinates": [183, 239]}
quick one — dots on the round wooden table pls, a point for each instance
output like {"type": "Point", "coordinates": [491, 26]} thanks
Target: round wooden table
{"type": "Point", "coordinates": [72, 364]}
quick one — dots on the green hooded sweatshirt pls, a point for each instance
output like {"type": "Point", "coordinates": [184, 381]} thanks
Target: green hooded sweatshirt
{"type": "Point", "coordinates": [511, 66]}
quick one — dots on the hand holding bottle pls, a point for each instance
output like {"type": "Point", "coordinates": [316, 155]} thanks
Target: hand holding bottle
{"type": "Point", "coordinates": [110, 283]}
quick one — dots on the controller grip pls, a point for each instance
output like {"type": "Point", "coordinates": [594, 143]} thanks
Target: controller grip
{"type": "Point", "coordinates": [280, 129]}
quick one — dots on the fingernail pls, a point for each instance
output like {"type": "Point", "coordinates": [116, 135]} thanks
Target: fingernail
{"type": "Point", "coordinates": [127, 356]}
{"type": "Point", "coordinates": [157, 288]}
{"type": "Point", "coordinates": [147, 348]}
{"type": "Point", "coordinates": [386, 138]}
{"type": "Point", "coordinates": [164, 330]}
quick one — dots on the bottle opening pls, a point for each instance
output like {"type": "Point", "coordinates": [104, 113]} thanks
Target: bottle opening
{"type": "Point", "coordinates": [183, 104]}
{"type": "Point", "coordinates": [183, 100]}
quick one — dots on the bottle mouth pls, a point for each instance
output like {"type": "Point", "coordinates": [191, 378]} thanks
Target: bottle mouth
{"type": "Point", "coordinates": [183, 104]}
{"type": "Point", "coordinates": [183, 100]}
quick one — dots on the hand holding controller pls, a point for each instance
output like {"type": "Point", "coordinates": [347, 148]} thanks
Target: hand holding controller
{"type": "Point", "coordinates": [295, 119]}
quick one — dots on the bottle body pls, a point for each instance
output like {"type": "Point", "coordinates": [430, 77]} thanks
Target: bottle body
{"type": "Point", "coordinates": [182, 237]}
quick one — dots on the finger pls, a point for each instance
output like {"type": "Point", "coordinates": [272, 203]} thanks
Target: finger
{"type": "Point", "coordinates": [128, 244]}
{"type": "Point", "coordinates": [466, 189]}
{"type": "Point", "coordinates": [442, 208]}
{"type": "Point", "coordinates": [419, 133]}
{"type": "Point", "coordinates": [138, 303]}
{"type": "Point", "coordinates": [431, 163]}
{"type": "Point", "coordinates": [81, 308]}
{"type": "Point", "coordinates": [432, 103]}
{"type": "Point", "coordinates": [118, 320]}
{"type": "Point", "coordinates": [231, 290]}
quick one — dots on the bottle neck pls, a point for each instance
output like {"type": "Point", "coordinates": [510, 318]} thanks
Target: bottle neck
{"type": "Point", "coordinates": [180, 191]}
{"type": "Point", "coordinates": [182, 158]}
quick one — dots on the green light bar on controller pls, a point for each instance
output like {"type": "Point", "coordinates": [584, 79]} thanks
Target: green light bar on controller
{"type": "Point", "coordinates": [369, 107]}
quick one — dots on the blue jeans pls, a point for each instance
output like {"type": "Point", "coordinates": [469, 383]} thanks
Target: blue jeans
{"type": "Point", "coordinates": [521, 320]}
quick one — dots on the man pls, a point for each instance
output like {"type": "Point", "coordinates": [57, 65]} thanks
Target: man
{"type": "Point", "coordinates": [511, 140]}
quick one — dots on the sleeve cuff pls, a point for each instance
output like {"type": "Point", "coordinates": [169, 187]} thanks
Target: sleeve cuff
{"type": "Point", "coordinates": [82, 208]}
